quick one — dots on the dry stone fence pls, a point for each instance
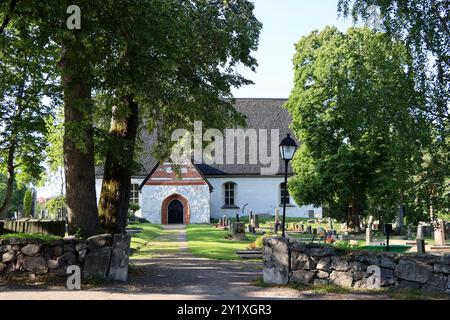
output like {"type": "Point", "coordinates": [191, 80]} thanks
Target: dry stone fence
{"type": "Point", "coordinates": [292, 261]}
{"type": "Point", "coordinates": [99, 257]}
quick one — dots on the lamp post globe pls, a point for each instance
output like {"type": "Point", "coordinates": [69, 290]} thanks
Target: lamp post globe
{"type": "Point", "coordinates": [287, 151]}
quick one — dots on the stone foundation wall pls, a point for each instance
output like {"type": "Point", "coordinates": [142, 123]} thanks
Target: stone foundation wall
{"type": "Point", "coordinates": [100, 257]}
{"type": "Point", "coordinates": [289, 261]}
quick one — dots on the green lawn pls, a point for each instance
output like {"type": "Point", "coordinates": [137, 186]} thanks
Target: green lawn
{"type": "Point", "coordinates": [142, 241]}
{"type": "Point", "coordinates": [209, 242]}
{"type": "Point", "coordinates": [30, 236]}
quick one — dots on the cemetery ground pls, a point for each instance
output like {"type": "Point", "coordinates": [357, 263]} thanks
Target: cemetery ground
{"type": "Point", "coordinates": [193, 262]}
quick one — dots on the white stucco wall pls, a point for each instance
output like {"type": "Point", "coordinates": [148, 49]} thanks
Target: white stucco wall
{"type": "Point", "coordinates": [261, 193]}
{"type": "Point", "coordinates": [198, 197]}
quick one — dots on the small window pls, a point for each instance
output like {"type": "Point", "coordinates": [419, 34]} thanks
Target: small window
{"type": "Point", "coordinates": [134, 193]}
{"type": "Point", "coordinates": [229, 193]}
{"type": "Point", "coordinates": [284, 194]}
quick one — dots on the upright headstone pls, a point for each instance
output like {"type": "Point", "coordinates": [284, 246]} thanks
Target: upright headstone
{"type": "Point", "coordinates": [238, 231]}
{"type": "Point", "coordinates": [419, 234]}
{"type": "Point", "coordinates": [370, 222]}
{"type": "Point", "coordinates": [118, 269]}
{"type": "Point", "coordinates": [420, 246]}
{"type": "Point", "coordinates": [256, 217]}
{"type": "Point", "coordinates": [368, 236]}
{"type": "Point", "coordinates": [277, 220]}
{"type": "Point", "coordinates": [439, 233]}
{"type": "Point", "coordinates": [408, 232]}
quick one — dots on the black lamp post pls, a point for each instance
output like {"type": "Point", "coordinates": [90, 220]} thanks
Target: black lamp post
{"type": "Point", "coordinates": [287, 150]}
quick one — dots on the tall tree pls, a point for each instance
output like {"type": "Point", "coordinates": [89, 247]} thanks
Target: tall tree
{"type": "Point", "coordinates": [423, 26]}
{"type": "Point", "coordinates": [353, 108]}
{"type": "Point", "coordinates": [175, 61]}
{"type": "Point", "coordinates": [27, 78]}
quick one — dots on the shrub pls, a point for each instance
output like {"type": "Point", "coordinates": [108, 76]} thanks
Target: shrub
{"type": "Point", "coordinates": [259, 242]}
{"type": "Point", "coordinates": [28, 203]}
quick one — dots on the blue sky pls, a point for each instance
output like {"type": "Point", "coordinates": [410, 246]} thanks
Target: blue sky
{"type": "Point", "coordinates": [284, 23]}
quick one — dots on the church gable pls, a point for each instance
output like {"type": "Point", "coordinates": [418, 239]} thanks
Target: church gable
{"type": "Point", "coordinates": [165, 174]}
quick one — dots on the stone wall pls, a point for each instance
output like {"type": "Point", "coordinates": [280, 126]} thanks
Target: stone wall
{"type": "Point", "coordinates": [100, 257]}
{"type": "Point", "coordinates": [289, 261]}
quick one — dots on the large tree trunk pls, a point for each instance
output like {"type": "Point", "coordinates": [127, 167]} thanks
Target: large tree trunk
{"type": "Point", "coordinates": [9, 183]}
{"type": "Point", "coordinates": [115, 194]}
{"type": "Point", "coordinates": [353, 216]}
{"type": "Point", "coordinates": [78, 144]}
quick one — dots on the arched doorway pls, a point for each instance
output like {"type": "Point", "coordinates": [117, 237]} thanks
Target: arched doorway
{"type": "Point", "coordinates": [175, 212]}
{"type": "Point", "coordinates": [181, 204]}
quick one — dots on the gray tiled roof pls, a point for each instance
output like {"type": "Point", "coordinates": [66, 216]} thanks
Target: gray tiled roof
{"type": "Point", "coordinates": [261, 114]}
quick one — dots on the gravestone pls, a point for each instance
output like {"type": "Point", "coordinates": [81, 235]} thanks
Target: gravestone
{"type": "Point", "coordinates": [256, 218]}
{"type": "Point", "coordinates": [420, 246]}
{"type": "Point", "coordinates": [277, 220]}
{"type": "Point", "coordinates": [238, 231]}
{"type": "Point", "coordinates": [419, 234]}
{"type": "Point", "coordinates": [439, 233]}
{"type": "Point", "coordinates": [118, 269]}
{"type": "Point", "coordinates": [322, 233]}
{"type": "Point", "coordinates": [408, 232]}
{"type": "Point", "coordinates": [310, 213]}
{"type": "Point", "coordinates": [368, 236]}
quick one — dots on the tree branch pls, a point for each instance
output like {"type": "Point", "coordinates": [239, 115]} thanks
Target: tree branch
{"type": "Point", "coordinates": [12, 6]}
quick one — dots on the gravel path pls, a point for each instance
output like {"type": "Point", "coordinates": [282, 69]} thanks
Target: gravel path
{"type": "Point", "coordinates": [172, 272]}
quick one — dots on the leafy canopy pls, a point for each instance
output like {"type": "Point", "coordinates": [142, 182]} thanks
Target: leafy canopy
{"type": "Point", "coordinates": [353, 108]}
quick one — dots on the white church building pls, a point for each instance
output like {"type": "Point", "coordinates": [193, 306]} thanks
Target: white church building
{"type": "Point", "coordinates": [198, 192]}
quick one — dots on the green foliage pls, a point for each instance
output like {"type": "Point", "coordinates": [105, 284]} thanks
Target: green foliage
{"type": "Point", "coordinates": [194, 48]}
{"type": "Point", "coordinates": [28, 203]}
{"type": "Point", "coordinates": [133, 207]}
{"type": "Point", "coordinates": [259, 242]}
{"type": "Point", "coordinates": [422, 25]}
{"type": "Point", "coordinates": [55, 205]}
{"type": "Point", "coordinates": [30, 236]}
{"type": "Point", "coordinates": [353, 110]}
{"type": "Point", "coordinates": [55, 134]}
{"type": "Point", "coordinates": [27, 77]}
